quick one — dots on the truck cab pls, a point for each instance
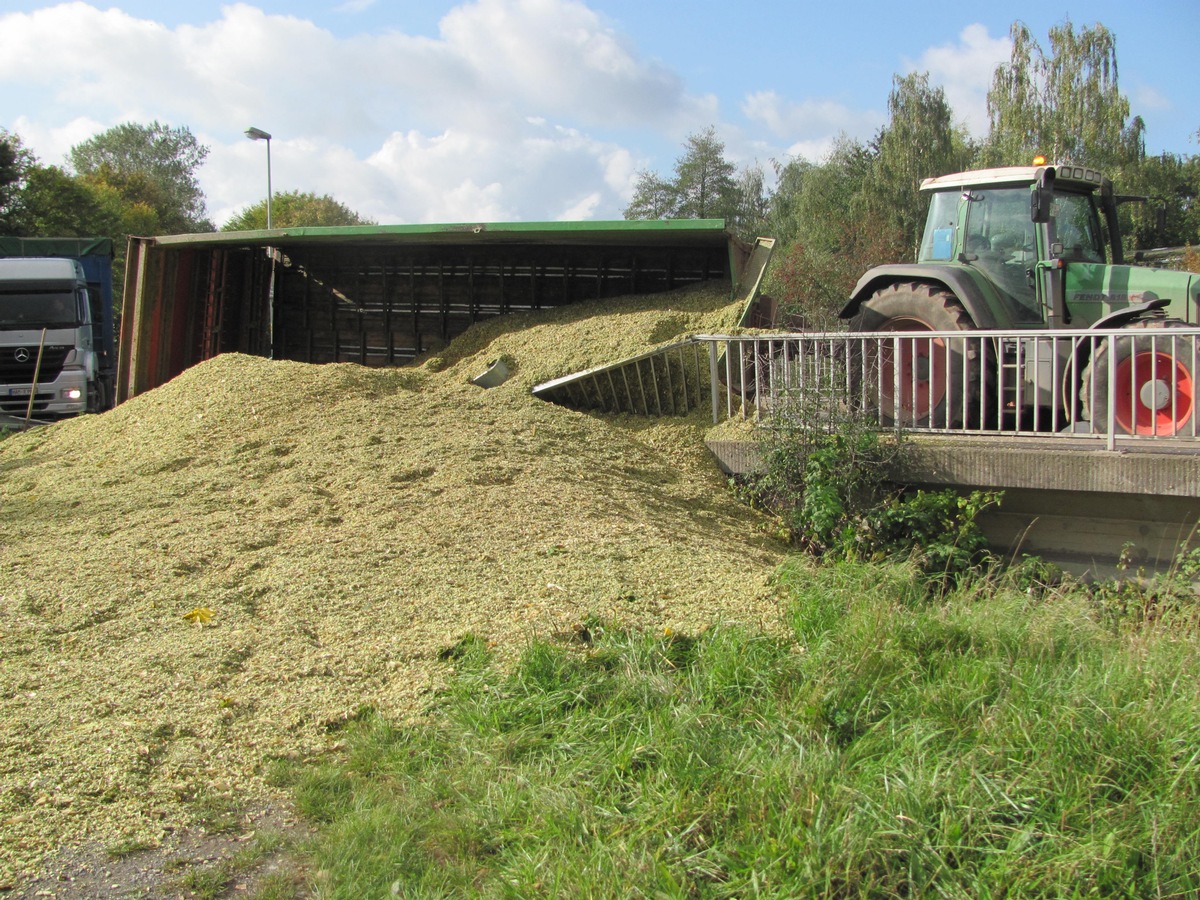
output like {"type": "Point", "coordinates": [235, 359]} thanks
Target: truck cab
{"type": "Point", "coordinates": [48, 359]}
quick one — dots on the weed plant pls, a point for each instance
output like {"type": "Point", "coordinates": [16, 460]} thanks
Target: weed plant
{"type": "Point", "coordinates": [995, 742]}
{"type": "Point", "coordinates": [825, 474]}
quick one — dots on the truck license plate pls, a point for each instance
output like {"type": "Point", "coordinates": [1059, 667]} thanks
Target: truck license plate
{"type": "Point", "coordinates": [18, 392]}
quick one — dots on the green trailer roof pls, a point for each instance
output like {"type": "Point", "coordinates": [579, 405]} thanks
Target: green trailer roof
{"type": "Point", "coordinates": [698, 232]}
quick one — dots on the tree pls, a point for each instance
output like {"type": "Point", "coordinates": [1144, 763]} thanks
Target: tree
{"type": "Point", "coordinates": [705, 186]}
{"type": "Point", "coordinates": [55, 204]}
{"type": "Point", "coordinates": [918, 142]}
{"type": "Point", "coordinates": [833, 233]}
{"type": "Point", "coordinates": [753, 203]}
{"type": "Point", "coordinates": [154, 165]}
{"type": "Point", "coordinates": [296, 210]}
{"type": "Point", "coordinates": [15, 162]}
{"type": "Point", "coordinates": [818, 200]}
{"type": "Point", "coordinates": [785, 213]}
{"type": "Point", "coordinates": [704, 180]}
{"type": "Point", "coordinates": [1065, 106]}
{"type": "Point", "coordinates": [653, 198]}
{"type": "Point", "coordinates": [1172, 184]}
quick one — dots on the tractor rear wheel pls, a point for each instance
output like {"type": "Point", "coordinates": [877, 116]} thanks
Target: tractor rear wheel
{"type": "Point", "coordinates": [1153, 379]}
{"type": "Point", "coordinates": [917, 382]}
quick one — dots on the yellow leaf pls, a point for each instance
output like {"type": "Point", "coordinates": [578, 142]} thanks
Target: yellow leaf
{"type": "Point", "coordinates": [199, 615]}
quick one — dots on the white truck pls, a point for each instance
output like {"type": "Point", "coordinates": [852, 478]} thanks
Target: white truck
{"type": "Point", "coordinates": [57, 353]}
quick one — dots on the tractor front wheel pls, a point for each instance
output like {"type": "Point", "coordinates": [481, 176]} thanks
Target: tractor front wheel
{"type": "Point", "coordinates": [919, 382]}
{"type": "Point", "coordinates": [1152, 378]}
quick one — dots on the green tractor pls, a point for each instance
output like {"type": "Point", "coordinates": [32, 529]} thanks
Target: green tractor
{"type": "Point", "coordinates": [1014, 250]}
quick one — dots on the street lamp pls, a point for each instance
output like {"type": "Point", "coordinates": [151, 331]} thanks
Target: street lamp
{"type": "Point", "coordinates": [257, 134]}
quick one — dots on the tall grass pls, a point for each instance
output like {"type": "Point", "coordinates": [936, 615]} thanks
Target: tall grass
{"type": "Point", "coordinates": [991, 743]}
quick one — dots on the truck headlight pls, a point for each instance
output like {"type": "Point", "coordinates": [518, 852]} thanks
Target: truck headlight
{"type": "Point", "coordinates": [72, 394]}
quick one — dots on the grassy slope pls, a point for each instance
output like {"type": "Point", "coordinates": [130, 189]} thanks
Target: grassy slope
{"type": "Point", "coordinates": [991, 744]}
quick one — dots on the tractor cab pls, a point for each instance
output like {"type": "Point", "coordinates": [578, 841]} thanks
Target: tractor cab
{"type": "Point", "coordinates": [1015, 227]}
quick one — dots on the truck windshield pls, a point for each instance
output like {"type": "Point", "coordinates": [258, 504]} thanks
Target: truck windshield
{"type": "Point", "coordinates": [38, 309]}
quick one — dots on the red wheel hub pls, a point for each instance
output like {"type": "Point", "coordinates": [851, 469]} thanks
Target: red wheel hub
{"type": "Point", "coordinates": [1155, 394]}
{"type": "Point", "coordinates": [920, 367]}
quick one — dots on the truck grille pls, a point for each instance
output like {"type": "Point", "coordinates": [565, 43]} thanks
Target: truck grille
{"type": "Point", "coordinates": [18, 406]}
{"type": "Point", "coordinates": [17, 364]}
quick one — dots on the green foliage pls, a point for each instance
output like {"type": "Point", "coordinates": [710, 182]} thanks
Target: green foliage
{"type": "Point", "coordinates": [1172, 184]}
{"type": "Point", "coordinates": [1169, 599]}
{"type": "Point", "coordinates": [876, 745]}
{"type": "Point", "coordinates": [705, 185]}
{"type": "Point", "coordinates": [861, 206]}
{"type": "Point", "coordinates": [55, 204]}
{"type": "Point", "coordinates": [814, 280]}
{"type": "Point", "coordinates": [830, 232]}
{"type": "Point", "coordinates": [1065, 105]}
{"type": "Point", "coordinates": [149, 165]}
{"type": "Point", "coordinates": [826, 476]}
{"type": "Point", "coordinates": [294, 209]}
{"type": "Point", "coordinates": [920, 141]}
{"type": "Point", "coordinates": [15, 162]}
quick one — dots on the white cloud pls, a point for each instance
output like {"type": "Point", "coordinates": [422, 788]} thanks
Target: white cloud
{"type": "Point", "coordinates": [1146, 97]}
{"type": "Point", "coordinates": [964, 71]}
{"type": "Point", "coordinates": [814, 151]}
{"type": "Point", "coordinates": [810, 123]}
{"type": "Point", "coordinates": [584, 209]}
{"type": "Point", "coordinates": [556, 56]}
{"type": "Point", "coordinates": [516, 109]}
{"type": "Point", "coordinates": [483, 122]}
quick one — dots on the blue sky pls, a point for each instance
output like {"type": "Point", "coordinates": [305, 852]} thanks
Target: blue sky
{"type": "Point", "coordinates": [528, 110]}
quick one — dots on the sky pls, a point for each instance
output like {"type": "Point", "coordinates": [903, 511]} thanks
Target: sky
{"type": "Point", "coordinates": [428, 111]}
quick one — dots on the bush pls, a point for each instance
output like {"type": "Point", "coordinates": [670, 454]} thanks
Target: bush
{"type": "Point", "coordinates": [826, 477]}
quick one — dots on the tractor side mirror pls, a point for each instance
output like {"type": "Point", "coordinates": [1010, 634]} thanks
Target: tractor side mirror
{"type": "Point", "coordinates": [1042, 197]}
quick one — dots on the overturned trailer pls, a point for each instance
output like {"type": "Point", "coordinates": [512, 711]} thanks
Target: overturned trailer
{"type": "Point", "coordinates": [384, 295]}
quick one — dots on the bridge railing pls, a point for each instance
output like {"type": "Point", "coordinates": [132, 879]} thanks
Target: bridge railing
{"type": "Point", "coordinates": [1131, 383]}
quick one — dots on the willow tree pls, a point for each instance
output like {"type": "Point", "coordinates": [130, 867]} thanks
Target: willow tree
{"type": "Point", "coordinates": [1066, 105]}
{"type": "Point", "coordinates": [919, 141]}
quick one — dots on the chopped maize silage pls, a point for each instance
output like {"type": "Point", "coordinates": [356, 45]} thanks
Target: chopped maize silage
{"type": "Point", "coordinates": [225, 569]}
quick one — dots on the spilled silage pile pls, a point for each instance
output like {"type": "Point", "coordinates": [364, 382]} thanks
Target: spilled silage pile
{"type": "Point", "coordinates": [225, 569]}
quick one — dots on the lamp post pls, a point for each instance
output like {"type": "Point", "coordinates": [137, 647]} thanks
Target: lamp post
{"type": "Point", "coordinates": [257, 134]}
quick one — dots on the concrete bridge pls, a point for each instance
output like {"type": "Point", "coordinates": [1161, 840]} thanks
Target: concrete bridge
{"type": "Point", "coordinates": [1088, 496]}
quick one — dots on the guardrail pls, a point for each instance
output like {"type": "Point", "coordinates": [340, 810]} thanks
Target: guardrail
{"type": "Point", "coordinates": [1136, 383]}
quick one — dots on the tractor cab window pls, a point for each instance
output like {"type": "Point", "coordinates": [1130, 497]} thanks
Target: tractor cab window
{"type": "Point", "coordinates": [999, 240]}
{"type": "Point", "coordinates": [1075, 228]}
{"type": "Point", "coordinates": [938, 243]}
